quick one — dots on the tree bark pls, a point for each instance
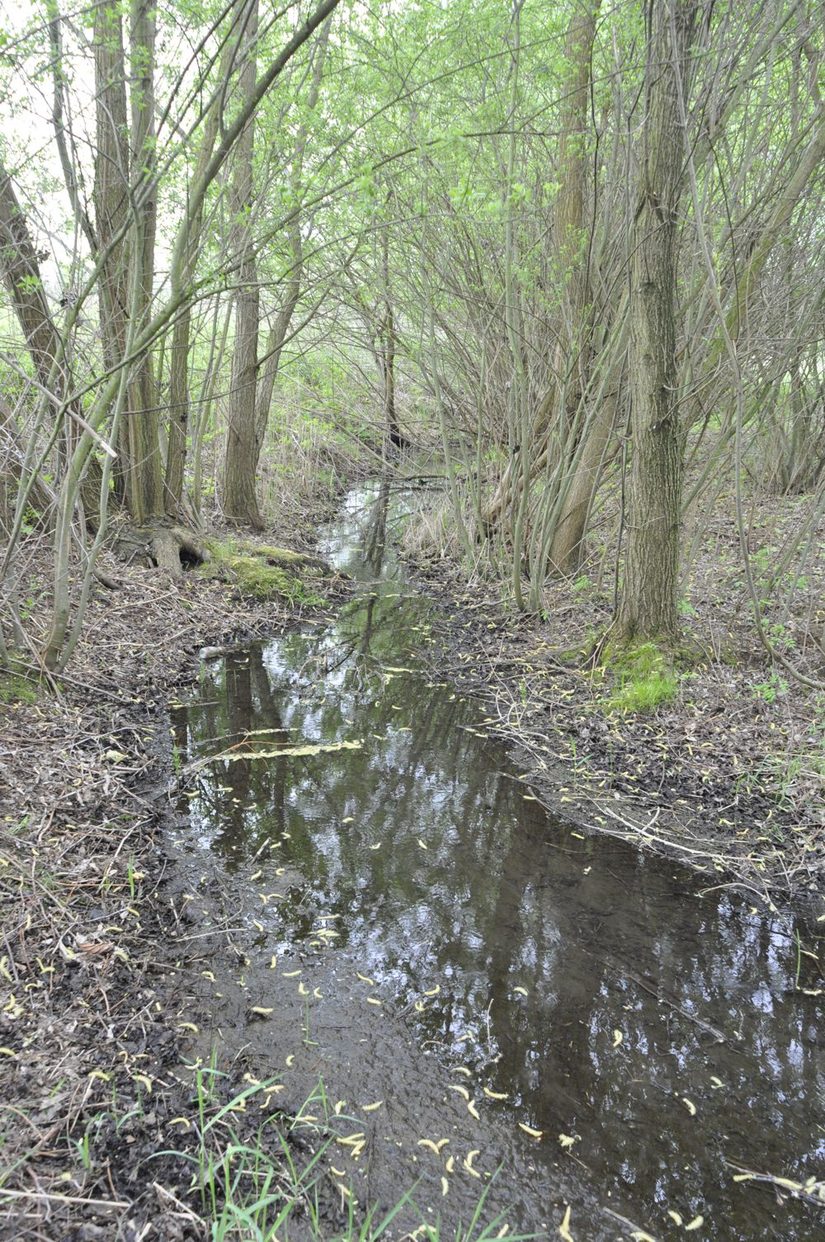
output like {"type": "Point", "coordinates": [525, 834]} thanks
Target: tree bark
{"type": "Point", "coordinates": [647, 604]}
{"type": "Point", "coordinates": [144, 494]}
{"type": "Point", "coordinates": [243, 447]}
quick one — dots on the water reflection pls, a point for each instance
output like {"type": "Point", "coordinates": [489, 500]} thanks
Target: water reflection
{"type": "Point", "coordinates": [664, 1035]}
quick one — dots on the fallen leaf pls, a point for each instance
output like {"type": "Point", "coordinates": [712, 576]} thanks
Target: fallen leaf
{"type": "Point", "coordinates": [564, 1227]}
{"type": "Point", "coordinates": [468, 1162]}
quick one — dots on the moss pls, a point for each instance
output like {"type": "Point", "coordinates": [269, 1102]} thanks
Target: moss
{"type": "Point", "coordinates": [260, 571]}
{"type": "Point", "coordinates": [643, 676]}
{"type": "Point", "coordinates": [277, 556]}
{"type": "Point", "coordinates": [16, 689]}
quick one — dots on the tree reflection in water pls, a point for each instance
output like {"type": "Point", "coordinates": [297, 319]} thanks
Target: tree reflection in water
{"type": "Point", "coordinates": [580, 978]}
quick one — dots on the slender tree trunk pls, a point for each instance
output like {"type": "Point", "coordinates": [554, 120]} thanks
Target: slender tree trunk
{"type": "Point", "coordinates": [647, 606]}
{"type": "Point", "coordinates": [270, 363]}
{"type": "Point", "coordinates": [144, 493]}
{"type": "Point", "coordinates": [243, 447]}
{"type": "Point", "coordinates": [179, 402]}
{"type": "Point", "coordinates": [392, 432]}
{"type": "Point", "coordinates": [111, 202]}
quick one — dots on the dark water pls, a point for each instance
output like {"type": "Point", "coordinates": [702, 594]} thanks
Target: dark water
{"type": "Point", "coordinates": [451, 933]}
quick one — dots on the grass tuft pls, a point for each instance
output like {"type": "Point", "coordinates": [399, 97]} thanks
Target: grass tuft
{"type": "Point", "coordinates": [644, 677]}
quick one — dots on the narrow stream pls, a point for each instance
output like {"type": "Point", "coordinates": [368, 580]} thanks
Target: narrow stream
{"type": "Point", "coordinates": [432, 942]}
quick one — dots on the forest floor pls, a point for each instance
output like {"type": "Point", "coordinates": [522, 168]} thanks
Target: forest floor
{"type": "Point", "coordinates": [103, 1124]}
{"type": "Point", "coordinates": [100, 1117]}
{"type": "Point", "coordinates": [727, 775]}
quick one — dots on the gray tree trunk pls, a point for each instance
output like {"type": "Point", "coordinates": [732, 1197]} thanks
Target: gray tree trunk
{"type": "Point", "coordinates": [648, 599]}
{"type": "Point", "coordinates": [243, 445]}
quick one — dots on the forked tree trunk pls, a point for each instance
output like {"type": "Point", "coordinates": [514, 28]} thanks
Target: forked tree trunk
{"type": "Point", "coordinates": [552, 437]}
{"type": "Point", "coordinates": [647, 605]}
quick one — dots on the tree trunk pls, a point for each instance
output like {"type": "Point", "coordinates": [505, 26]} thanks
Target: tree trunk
{"type": "Point", "coordinates": [144, 492]}
{"type": "Point", "coordinates": [574, 344]}
{"type": "Point", "coordinates": [181, 332]}
{"type": "Point", "coordinates": [647, 605]}
{"type": "Point", "coordinates": [552, 437]}
{"type": "Point", "coordinates": [20, 271]}
{"type": "Point", "coordinates": [243, 446]}
{"type": "Point", "coordinates": [111, 202]}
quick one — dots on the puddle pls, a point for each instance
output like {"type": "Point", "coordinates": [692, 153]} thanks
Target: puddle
{"type": "Point", "coordinates": [472, 966]}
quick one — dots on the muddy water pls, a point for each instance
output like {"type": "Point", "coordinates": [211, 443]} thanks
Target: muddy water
{"type": "Point", "coordinates": [469, 966]}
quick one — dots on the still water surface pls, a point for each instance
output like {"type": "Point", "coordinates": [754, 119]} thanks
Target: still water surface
{"type": "Point", "coordinates": [459, 946]}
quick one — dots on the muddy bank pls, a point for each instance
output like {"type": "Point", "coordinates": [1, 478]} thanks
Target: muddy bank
{"type": "Point", "coordinates": [726, 778]}
{"type": "Point", "coordinates": [91, 1073]}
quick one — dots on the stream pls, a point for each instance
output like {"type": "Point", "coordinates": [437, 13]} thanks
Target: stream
{"type": "Point", "coordinates": [453, 962]}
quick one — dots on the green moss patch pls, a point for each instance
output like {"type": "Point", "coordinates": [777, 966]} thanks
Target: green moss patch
{"type": "Point", "coordinates": [264, 572]}
{"type": "Point", "coordinates": [643, 677]}
{"type": "Point", "coordinates": [16, 689]}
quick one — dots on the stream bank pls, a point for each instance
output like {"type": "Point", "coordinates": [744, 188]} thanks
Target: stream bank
{"type": "Point", "coordinates": [478, 985]}
{"type": "Point", "coordinates": [728, 777]}
{"type": "Point", "coordinates": [90, 1053]}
